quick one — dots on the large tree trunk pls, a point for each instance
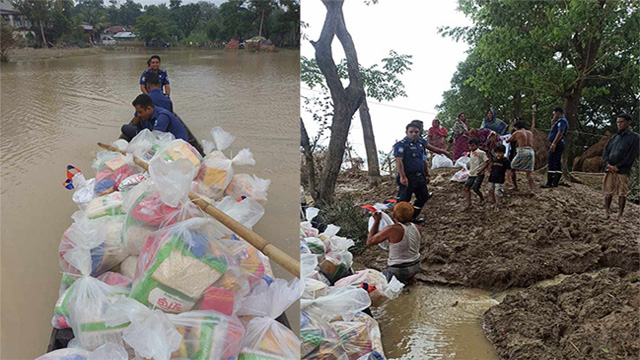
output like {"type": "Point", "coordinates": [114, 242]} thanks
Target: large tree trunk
{"type": "Point", "coordinates": [345, 101]}
{"type": "Point", "coordinates": [308, 157]}
{"type": "Point", "coordinates": [370, 144]}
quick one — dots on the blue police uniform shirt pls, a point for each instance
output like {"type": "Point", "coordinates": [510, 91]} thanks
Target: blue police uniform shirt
{"type": "Point", "coordinates": [412, 154]}
{"type": "Point", "coordinates": [561, 125]}
{"type": "Point", "coordinates": [164, 77]}
{"type": "Point", "coordinates": [159, 99]}
{"type": "Point", "coordinates": [163, 120]}
{"type": "Point", "coordinates": [424, 143]}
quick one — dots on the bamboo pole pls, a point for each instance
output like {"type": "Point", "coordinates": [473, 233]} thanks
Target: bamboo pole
{"type": "Point", "coordinates": [278, 256]}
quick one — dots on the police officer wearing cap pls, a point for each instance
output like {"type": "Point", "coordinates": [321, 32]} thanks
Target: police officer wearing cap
{"type": "Point", "coordinates": [413, 170]}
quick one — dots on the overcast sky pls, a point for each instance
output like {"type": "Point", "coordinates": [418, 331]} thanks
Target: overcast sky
{"type": "Point", "coordinates": [408, 27]}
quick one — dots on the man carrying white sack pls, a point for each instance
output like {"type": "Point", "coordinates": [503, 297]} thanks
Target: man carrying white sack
{"type": "Point", "coordinates": [404, 243]}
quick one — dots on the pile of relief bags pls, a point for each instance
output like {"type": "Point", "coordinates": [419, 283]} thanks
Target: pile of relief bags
{"type": "Point", "coordinates": [148, 275]}
{"type": "Point", "coordinates": [332, 322]}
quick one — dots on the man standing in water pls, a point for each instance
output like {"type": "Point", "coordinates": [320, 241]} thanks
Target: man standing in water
{"type": "Point", "coordinates": [619, 156]}
{"type": "Point", "coordinates": [154, 67]}
{"type": "Point", "coordinates": [413, 170]}
{"type": "Point", "coordinates": [525, 158]}
{"type": "Point", "coordinates": [404, 243]}
{"type": "Point", "coordinates": [558, 133]}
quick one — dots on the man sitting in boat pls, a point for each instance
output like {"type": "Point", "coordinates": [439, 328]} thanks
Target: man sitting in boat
{"type": "Point", "coordinates": [153, 118]}
{"type": "Point", "coordinates": [154, 90]}
{"type": "Point", "coordinates": [154, 67]}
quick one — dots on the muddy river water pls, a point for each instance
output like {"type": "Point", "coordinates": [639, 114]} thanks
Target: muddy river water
{"type": "Point", "coordinates": [440, 322]}
{"type": "Point", "coordinates": [54, 111]}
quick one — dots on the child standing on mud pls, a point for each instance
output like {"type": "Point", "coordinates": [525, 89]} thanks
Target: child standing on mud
{"type": "Point", "coordinates": [496, 178]}
{"type": "Point", "coordinates": [477, 165]}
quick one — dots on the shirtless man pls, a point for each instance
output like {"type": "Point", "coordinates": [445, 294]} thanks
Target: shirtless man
{"type": "Point", "coordinates": [525, 158]}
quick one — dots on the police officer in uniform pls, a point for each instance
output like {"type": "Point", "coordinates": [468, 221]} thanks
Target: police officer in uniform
{"type": "Point", "coordinates": [154, 67]}
{"type": "Point", "coordinates": [413, 171]}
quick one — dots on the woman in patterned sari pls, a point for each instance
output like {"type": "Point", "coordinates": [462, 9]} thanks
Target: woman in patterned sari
{"type": "Point", "coordinates": [460, 136]}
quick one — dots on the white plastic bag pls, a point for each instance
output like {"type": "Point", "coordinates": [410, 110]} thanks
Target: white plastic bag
{"type": "Point", "coordinates": [264, 335]}
{"type": "Point", "coordinates": [88, 301]}
{"type": "Point", "coordinates": [461, 176]}
{"type": "Point", "coordinates": [462, 161]}
{"type": "Point", "coordinates": [99, 237]}
{"type": "Point", "coordinates": [164, 203]}
{"type": "Point", "coordinates": [245, 185]}
{"type": "Point", "coordinates": [84, 190]}
{"type": "Point", "coordinates": [145, 144]}
{"type": "Point", "coordinates": [384, 290]}
{"type": "Point", "coordinates": [149, 332]}
{"type": "Point", "coordinates": [341, 301]}
{"type": "Point", "coordinates": [441, 161]}
{"type": "Point", "coordinates": [177, 264]}
{"type": "Point", "coordinates": [385, 221]}
{"type": "Point", "coordinates": [216, 172]}
{"type": "Point", "coordinates": [108, 351]}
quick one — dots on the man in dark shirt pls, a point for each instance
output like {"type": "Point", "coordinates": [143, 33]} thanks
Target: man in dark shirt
{"type": "Point", "coordinates": [499, 167]}
{"type": "Point", "coordinates": [413, 172]}
{"type": "Point", "coordinates": [155, 93]}
{"type": "Point", "coordinates": [619, 156]}
{"type": "Point", "coordinates": [153, 118]}
{"type": "Point", "coordinates": [154, 67]}
{"type": "Point", "coordinates": [557, 135]}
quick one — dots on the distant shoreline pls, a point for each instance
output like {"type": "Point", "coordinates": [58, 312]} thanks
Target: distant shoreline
{"type": "Point", "coordinates": [28, 54]}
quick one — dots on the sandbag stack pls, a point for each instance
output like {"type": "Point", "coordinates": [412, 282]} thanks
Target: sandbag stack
{"type": "Point", "coordinates": [333, 324]}
{"type": "Point", "coordinates": [147, 274]}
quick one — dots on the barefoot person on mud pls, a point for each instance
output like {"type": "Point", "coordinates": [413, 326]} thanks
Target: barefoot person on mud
{"type": "Point", "coordinates": [499, 168]}
{"type": "Point", "coordinates": [404, 243]}
{"type": "Point", "coordinates": [619, 156]}
{"type": "Point", "coordinates": [525, 156]}
{"type": "Point", "coordinates": [478, 163]}
{"type": "Point", "coordinates": [413, 171]}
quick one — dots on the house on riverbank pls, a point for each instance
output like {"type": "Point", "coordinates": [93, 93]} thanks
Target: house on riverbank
{"type": "Point", "coordinates": [13, 17]}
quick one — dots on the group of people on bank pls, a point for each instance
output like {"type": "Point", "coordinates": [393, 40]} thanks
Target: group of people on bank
{"type": "Point", "coordinates": [487, 154]}
{"type": "Point", "coordinates": [153, 107]}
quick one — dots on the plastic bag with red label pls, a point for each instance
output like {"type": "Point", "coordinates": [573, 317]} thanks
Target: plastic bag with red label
{"type": "Point", "coordinates": [165, 202]}
{"type": "Point", "coordinates": [177, 264]}
{"type": "Point", "coordinates": [111, 168]}
{"type": "Point", "coordinates": [462, 175]}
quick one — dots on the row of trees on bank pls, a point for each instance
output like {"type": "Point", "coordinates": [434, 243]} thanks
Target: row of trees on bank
{"type": "Point", "coordinates": [58, 21]}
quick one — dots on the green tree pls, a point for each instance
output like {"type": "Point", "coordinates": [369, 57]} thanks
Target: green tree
{"type": "Point", "coordinates": [381, 83]}
{"type": "Point", "coordinates": [38, 12]}
{"type": "Point", "coordinates": [150, 28]}
{"type": "Point", "coordinates": [8, 41]}
{"type": "Point", "coordinates": [129, 12]}
{"type": "Point", "coordinates": [538, 51]}
{"type": "Point", "coordinates": [235, 19]}
{"type": "Point", "coordinates": [189, 17]}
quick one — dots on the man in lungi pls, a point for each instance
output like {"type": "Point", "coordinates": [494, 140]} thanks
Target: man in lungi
{"type": "Point", "coordinates": [525, 156]}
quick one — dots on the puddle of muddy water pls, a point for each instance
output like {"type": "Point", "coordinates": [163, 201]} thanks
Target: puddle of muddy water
{"type": "Point", "coordinates": [436, 322]}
